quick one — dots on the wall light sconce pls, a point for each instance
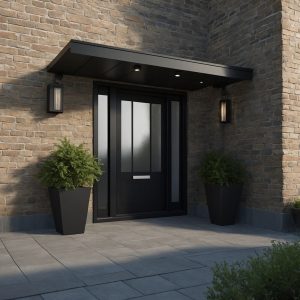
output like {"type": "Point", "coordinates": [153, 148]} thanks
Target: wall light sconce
{"type": "Point", "coordinates": [225, 108]}
{"type": "Point", "coordinates": [55, 98]}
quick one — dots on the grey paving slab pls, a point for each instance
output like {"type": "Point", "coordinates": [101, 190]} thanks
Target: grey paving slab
{"type": "Point", "coordinates": [151, 285]}
{"type": "Point", "coordinates": [13, 291]}
{"type": "Point", "coordinates": [190, 278]}
{"type": "Point", "coordinates": [88, 263]}
{"type": "Point", "coordinates": [118, 258]}
{"type": "Point", "coordinates": [11, 275]}
{"type": "Point", "coordinates": [165, 296]}
{"type": "Point", "coordinates": [147, 266]}
{"type": "Point", "coordinates": [106, 278]}
{"type": "Point", "coordinates": [9, 271]}
{"type": "Point", "coordinates": [23, 246]}
{"type": "Point", "coordinates": [113, 291]}
{"type": "Point", "coordinates": [196, 292]}
{"type": "Point", "coordinates": [211, 259]}
{"type": "Point", "coordinates": [161, 251]}
{"type": "Point", "coordinates": [31, 298]}
{"type": "Point", "coordinates": [110, 252]}
{"type": "Point", "coordinates": [13, 235]}
{"type": "Point", "coordinates": [73, 294]}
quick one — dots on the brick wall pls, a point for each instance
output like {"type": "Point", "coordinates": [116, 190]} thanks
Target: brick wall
{"type": "Point", "coordinates": [32, 32]}
{"type": "Point", "coordinates": [291, 99]}
{"type": "Point", "coordinates": [245, 33]}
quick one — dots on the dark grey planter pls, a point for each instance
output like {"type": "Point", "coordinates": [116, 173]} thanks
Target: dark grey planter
{"type": "Point", "coordinates": [223, 203]}
{"type": "Point", "coordinates": [296, 216]}
{"type": "Point", "coordinates": [69, 209]}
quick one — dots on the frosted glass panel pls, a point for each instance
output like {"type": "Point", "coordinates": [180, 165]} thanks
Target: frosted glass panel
{"type": "Point", "coordinates": [175, 158]}
{"type": "Point", "coordinates": [57, 99]}
{"type": "Point", "coordinates": [103, 148]}
{"type": "Point", "coordinates": [141, 137]}
{"type": "Point", "coordinates": [126, 136]}
{"type": "Point", "coordinates": [156, 138]}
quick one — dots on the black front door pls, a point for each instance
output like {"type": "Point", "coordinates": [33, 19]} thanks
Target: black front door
{"type": "Point", "coordinates": [141, 153]}
{"type": "Point", "coordinates": [139, 136]}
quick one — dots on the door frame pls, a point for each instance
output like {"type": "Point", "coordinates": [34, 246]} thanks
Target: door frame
{"type": "Point", "coordinates": [111, 90]}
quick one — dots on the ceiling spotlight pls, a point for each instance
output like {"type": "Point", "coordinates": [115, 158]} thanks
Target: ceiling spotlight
{"type": "Point", "coordinates": [201, 82]}
{"type": "Point", "coordinates": [137, 68]}
{"type": "Point", "coordinates": [177, 75]}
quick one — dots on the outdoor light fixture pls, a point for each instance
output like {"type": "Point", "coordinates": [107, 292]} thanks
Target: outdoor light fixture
{"type": "Point", "coordinates": [137, 68]}
{"type": "Point", "coordinates": [225, 108]}
{"type": "Point", "coordinates": [55, 98]}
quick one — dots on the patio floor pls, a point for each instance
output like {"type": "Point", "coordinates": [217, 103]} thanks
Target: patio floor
{"type": "Point", "coordinates": [150, 259]}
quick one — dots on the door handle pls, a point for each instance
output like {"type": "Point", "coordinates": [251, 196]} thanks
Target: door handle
{"type": "Point", "coordinates": [141, 176]}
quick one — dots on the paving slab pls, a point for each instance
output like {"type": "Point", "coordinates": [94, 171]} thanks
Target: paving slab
{"type": "Point", "coordinates": [165, 296]}
{"type": "Point", "coordinates": [13, 291]}
{"type": "Point", "coordinates": [113, 291]}
{"type": "Point", "coordinates": [190, 278]}
{"type": "Point", "coordinates": [196, 292]}
{"type": "Point", "coordinates": [151, 285]}
{"type": "Point", "coordinates": [73, 294]}
{"type": "Point", "coordinates": [210, 259]}
{"type": "Point", "coordinates": [162, 258]}
{"type": "Point", "coordinates": [106, 278]}
{"type": "Point", "coordinates": [31, 298]}
{"type": "Point", "coordinates": [154, 265]}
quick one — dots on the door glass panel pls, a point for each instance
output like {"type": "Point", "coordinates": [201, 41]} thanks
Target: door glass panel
{"type": "Point", "coordinates": [175, 144]}
{"type": "Point", "coordinates": [103, 149]}
{"type": "Point", "coordinates": [156, 138]}
{"type": "Point", "coordinates": [126, 136]}
{"type": "Point", "coordinates": [141, 137]}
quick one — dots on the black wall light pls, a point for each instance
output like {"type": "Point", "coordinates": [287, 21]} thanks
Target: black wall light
{"type": "Point", "coordinates": [225, 107]}
{"type": "Point", "coordinates": [55, 97]}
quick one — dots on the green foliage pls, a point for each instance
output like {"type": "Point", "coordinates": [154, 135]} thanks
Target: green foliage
{"type": "Point", "coordinates": [296, 204]}
{"type": "Point", "coordinates": [222, 170]}
{"type": "Point", "coordinates": [273, 275]}
{"type": "Point", "coordinates": [69, 167]}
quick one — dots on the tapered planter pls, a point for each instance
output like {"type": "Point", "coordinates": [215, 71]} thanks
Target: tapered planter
{"type": "Point", "coordinates": [69, 209]}
{"type": "Point", "coordinates": [223, 203]}
{"type": "Point", "coordinates": [296, 216]}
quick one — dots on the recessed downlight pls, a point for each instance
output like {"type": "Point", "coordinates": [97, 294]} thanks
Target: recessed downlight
{"type": "Point", "coordinates": [137, 68]}
{"type": "Point", "coordinates": [201, 82]}
{"type": "Point", "coordinates": [177, 75]}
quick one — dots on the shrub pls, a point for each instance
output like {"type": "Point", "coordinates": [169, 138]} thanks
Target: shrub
{"type": "Point", "coordinates": [222, 170]}
{"type": "Point", "coordinates": [69, 167]}
{"type": "Point", "coordinates": [296, 204]}
{"type": "Point", "coordinates": [275, 275]}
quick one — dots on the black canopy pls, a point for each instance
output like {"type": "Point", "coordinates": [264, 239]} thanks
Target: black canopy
{"type": "Point", "coordinates": [115, 64]}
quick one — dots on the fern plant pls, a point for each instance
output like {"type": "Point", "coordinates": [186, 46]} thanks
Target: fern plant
{"type": "Point", "coordinates": [69, 167]}
{"type": "Point", "coordinates": [220, 169]}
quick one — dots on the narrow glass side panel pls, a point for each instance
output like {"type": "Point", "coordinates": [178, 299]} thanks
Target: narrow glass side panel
{"type": "Point", "coordinates": [156, 137]}
{"type": "Point", "coordinates": [141, 137]}
{"type": "Point", "coordinates": [126, 136]}
{"type": "Point", "coordinates": [103, 149]}
{"type": "Point", "coordinates": [175, 151]}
